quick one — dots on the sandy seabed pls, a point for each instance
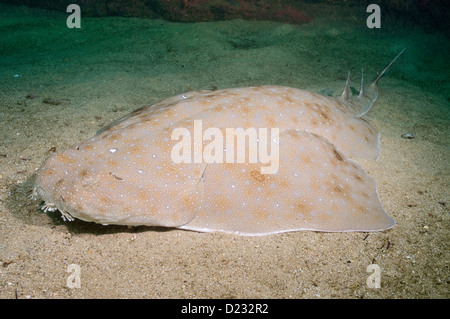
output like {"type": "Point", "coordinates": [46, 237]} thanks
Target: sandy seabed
{"type": "Point", "coordinates": [59, 86]}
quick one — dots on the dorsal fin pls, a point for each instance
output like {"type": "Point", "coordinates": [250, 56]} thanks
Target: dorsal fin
{"type": "Point", "coordinates": [347, 92]}
{"type": "Point", "coordinates": [362, 91]}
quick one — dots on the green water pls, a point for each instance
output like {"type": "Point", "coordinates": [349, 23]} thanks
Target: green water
{"type": "Point", "coordinates": [165, 58]}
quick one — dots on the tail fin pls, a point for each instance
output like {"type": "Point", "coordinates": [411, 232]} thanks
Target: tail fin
{"type": "Point", "coordinates": [365, 100]}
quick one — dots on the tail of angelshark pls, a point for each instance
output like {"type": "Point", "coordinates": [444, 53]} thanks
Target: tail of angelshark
{"type": "Point", "coordinates": [363, 103]}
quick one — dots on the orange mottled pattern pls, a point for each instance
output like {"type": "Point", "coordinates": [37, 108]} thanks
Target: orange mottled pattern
{"type": "Point", "coordinates": [125, 173]}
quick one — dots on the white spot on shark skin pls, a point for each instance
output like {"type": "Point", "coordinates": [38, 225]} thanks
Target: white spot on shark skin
{"type": "Point", "coordinates": [317, 186]}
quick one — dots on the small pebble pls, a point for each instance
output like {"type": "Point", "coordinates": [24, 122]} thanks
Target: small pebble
{"type": "Point", "coordinates": [408, 135]}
